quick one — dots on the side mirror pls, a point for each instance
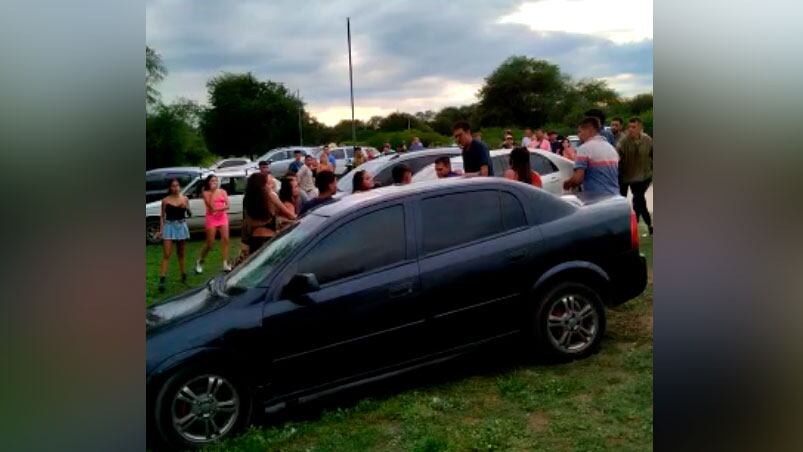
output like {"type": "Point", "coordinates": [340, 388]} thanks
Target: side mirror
{"type": "Point", "coordinates": [299, 286]}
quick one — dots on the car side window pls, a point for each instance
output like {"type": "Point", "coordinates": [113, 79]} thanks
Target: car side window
{"type": "Point", "coordinates": [512, 212]}
{"type": "Point", "coordinates": [385, 177]}
{"type": "Point", "coordinates": [454, 219]}
{"type": "Point", "coordinates": [501, 164]}
{"type": "Point", "coordinates": [417, 164]}
{"type": "Point", "coordinates": [541, 164]}
{"type": "Point", "coordinates": [235, 186]}
{"type": "Point", "coordinates": [339, 154]}
{"type": "Point", "coordinates": [371, 241]}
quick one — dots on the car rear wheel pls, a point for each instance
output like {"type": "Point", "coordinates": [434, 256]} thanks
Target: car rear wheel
{"type": "Point", "coordinates": [570, 321]}
{"type": "Point", "coordinates": [152, 230]}
{"type": "Point", "coordinates": [200, 406]}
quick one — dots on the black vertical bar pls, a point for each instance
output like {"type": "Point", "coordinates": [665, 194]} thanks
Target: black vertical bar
{"type": "Point", "coordinates": [351, 83]}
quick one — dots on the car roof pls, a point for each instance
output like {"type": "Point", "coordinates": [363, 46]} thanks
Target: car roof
{"type": "Point", "coordinates": [400, 157]}
{"type": "Point", "coordinates": [175, 169]}
{"type": "Point", "coordinates": [359, 200]}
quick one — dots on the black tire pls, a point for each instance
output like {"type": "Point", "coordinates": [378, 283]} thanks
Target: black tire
{"type": "Point", "coordinates": [151, 228]}
{"type": "Point", "coordinates": [169, 405]}
{"type": "Point", "coordinates": [577, 334]}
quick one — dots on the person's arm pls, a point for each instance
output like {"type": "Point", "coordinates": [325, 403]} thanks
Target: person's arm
{"type": "Point", "coordinates": [281, 209]}
{"type": "Point", "coordinates": [208, 201]}
{"type": "Point", "coordinates": [575, 180]}
{"type": "Point", "coordinates": [226, 199]}
{"type": "Point", "coordinates": [580, 165]}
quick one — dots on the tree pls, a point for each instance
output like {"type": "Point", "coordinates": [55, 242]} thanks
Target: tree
{"type": "Point", "coordinates": [640, 103]}
{"type": "Point", "coordinates": [171, 139]}
{"type": "Point", "coordinates": [374, 122]}
{"type": "Point", "coordinates": [155, 72]}
{"type": "Point", "coordinates": [247, 116]}
{"type": "Point", "coordinates": [401, 121]}
{"type": "Point", "coordinates": [443, 121]}
{"type": "Point", "coordinates": [522, 91]}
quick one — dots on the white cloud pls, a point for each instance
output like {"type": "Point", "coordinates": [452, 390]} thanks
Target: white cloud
{"type": "Point", "coordinates": [629, 84]}
{"type": "Point", "coordinates": [621, 21]}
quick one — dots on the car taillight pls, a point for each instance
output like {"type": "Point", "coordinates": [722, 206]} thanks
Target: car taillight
{"type": "Point", "coordinates": [633, 231]}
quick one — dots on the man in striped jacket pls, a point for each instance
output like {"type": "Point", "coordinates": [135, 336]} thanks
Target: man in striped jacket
{"type": "Point", "coordinates": [596, 168]}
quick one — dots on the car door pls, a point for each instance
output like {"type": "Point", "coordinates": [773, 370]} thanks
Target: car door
{"type": "Point", "coordinates": [474, 248]}
{"type": "Point", "coordinates": [550, 176]}
{"type": "Point", "coordinates": [235, 189]}
{"type": "Point", "coordinates": [197, 207]}
{"type": "Point", "coordinates": [366, 314]}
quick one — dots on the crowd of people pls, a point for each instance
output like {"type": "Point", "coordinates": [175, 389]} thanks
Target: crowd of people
{"type": "Point", "coordinates": [608, 162]}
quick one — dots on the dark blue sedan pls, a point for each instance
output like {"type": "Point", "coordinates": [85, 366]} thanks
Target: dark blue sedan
{"type": "Point", "coordinates": [382, 282]}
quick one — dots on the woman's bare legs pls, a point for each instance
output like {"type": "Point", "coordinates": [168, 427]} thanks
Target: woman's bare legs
{"type": "Point", "coordinates": [167, 250]}
{"type": "Point", "coordinates": [224, 238]}
{"type": "Point", "coordinates": [180, 247]}
{"type": "Point", "coordinates": [210, 241]}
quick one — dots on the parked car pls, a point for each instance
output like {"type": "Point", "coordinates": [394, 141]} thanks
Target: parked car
{"type": "Point", "coordinates": [231, 181]}
{"type": "Point", "coordinates": [381, 167]}
{"type": "Point", "coordinates": [424, 273]}
{"type": "Point", "coordinates": [281, 158]}
{"type": "Point", "coordinates": [552, 168]}
{"type": "Point", "coordinates": [157, 180]}
{"type": "Point", "coordinates": [233, 163]}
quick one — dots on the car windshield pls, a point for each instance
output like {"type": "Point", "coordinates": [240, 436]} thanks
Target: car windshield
{"type": "Point", "coordinates": [261, 264]}
{"type": "Point", "coordinates": [372, 166]}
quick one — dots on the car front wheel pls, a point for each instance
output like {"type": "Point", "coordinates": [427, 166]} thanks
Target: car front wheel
{"type": "Point", "coordinates": [570, 321]}
{"type": "Point", "coordinates": [197, 407]}
{"type": "Point", "coordinates": [152, 230]}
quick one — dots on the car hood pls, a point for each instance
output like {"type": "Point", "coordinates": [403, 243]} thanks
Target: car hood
{"type": "Point", "coordinates": [181, 307]}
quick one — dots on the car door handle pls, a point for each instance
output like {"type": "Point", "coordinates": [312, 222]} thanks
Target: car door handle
{"type": "Point", "coordinates": [515, 257]}
{"type": "Point", "coordinates": [400, 290]}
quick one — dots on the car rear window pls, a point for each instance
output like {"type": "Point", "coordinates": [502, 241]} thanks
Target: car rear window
{"type": "Point", "coordinates": [454, 219]}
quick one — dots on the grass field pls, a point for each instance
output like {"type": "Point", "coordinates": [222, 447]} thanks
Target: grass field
{"type": "Point", "coordinates": [488, 401]}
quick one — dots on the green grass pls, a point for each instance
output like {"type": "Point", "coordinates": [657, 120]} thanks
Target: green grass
{"type": "Point", "coordinates": [603, 402]}
{"type": "Point", "coordinates": [213, 264]}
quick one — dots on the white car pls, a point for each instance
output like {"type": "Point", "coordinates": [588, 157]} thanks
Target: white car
{"type": "Point", "coordinates": [231, 181]}
{"type": "Point", "coordinates": [552, 168]}
{"type": "Point", "coordinates": [281, 158]}
{"type": "Point", "coordinates": [231, 164]}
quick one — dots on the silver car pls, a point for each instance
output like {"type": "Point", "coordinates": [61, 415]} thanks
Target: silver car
{"type": "Point", "coordinates": [281, 158]}
{"type": "Point", "coordinates": [380, 168]}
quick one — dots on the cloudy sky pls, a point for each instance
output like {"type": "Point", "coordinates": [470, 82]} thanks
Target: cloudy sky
{"type": "Point", "coordinates": [407, 55]}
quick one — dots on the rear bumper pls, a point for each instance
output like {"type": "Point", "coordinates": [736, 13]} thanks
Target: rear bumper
{"type": "Point", "coordinates": [628, 277]}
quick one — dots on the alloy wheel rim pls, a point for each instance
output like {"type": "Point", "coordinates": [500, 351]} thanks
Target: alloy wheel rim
{"type": "Point", "coordinates": [572, 323]}
{"type": "Point", "coordinates": [205, 408]}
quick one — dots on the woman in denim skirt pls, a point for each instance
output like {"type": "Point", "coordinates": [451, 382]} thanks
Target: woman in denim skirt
{"type": "Point", "coordinates": [173, 228]}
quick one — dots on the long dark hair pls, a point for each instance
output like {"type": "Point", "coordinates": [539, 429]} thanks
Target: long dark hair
{"type": "Point", "coordinates": [520, 163]}
{"type": "Point", "coordinates": [170, 184]}
{"type": "Point", "coordinates": [286, 190]}
{"type": "Point", "coordinates": [356, 182]}
{"type": "Point", "coordinates": [208, 180]}
{"type": "Point", "coordinates": [255, 201]}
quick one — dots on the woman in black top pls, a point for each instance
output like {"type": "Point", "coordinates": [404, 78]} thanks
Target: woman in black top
{"type": "Point", "coordinates": [173, 228]}
{"type": "Point", "coordinates": [261, 205]}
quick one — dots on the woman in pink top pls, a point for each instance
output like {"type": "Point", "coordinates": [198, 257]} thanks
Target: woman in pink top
{"type": "Point", "coordinates": [217, 219]}
{"type": "Point", "coordinates": [567, 150]}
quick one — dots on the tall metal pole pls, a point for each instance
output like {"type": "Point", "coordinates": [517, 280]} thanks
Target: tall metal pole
{"type": "Point", "coordinates": [351, 83]}
{"type": "Point", "coordinates": [300, 133]}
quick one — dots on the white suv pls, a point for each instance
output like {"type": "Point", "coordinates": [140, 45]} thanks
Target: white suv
{"type": "Point", "coordinates": [231, 181]}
